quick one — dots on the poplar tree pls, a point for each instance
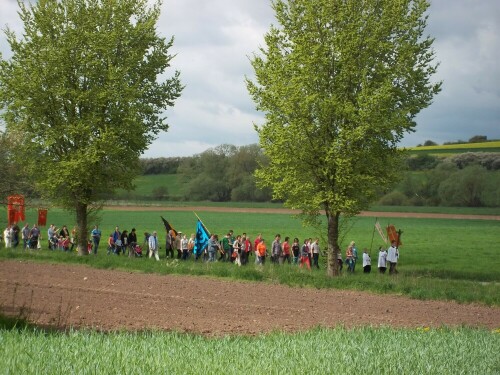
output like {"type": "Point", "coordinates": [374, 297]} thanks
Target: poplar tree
{"type": "Point", "coordinates": [340, 83]}
{"type": "Point", "coordinates": [84, 95]}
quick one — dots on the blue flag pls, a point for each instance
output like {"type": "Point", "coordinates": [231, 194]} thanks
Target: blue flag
{"type": "Point", "coordinates": [202, 237]}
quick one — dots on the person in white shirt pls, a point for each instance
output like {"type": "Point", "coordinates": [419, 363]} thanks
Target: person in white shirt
{"type": "Point", "coordinates": [153, 245]}
{"type": "Point", "coordinates": [367, 262]}
{"type": "Point", "coordinates": [315, 252]}
{"type": "Point", "coordinates": [392, 258]}
{"type": "Point", "coordinates": [184, 246]}
{"type": "Point", "coordinates": [382, 260]}
{"type": "Point", "coordinates": [7, 237]}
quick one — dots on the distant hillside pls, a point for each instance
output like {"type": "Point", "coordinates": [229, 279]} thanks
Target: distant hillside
{"type": "Point", "coordinates": [451, 149]}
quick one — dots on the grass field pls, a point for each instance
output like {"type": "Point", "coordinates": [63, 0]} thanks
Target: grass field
{"type": "Point", "coordinates": [146, 184]}
{"type": "Point", "coordinates": [440, 259]}
{"type": "Point", "coordinates": [458, 148]}
{"type": "Point", "coordinates": [319, 351]}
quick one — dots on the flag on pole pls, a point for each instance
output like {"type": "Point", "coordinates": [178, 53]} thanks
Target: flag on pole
{"type": "Point", "coordinates": [394, 235]}
{"type": "Point", "coordinates": [15, 208]}
{"type": "Point", "coordinates": [380, 231]}
{"type": "Point", "coordinates": [168, 227]}
{"type": "Point", "coordinates": [202, 237]}
{"type": "Point", "coordinates": [42, 217]}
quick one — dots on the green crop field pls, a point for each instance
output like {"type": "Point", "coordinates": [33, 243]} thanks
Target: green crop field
{"type": "Point", "coordinates": [440, 259]}
{"type": "Point", "coordinates": [146, 184]}
{"type": "Point", "coordinates": [458, 148]}
{"type": "Point", "coordinates": [319, 351]}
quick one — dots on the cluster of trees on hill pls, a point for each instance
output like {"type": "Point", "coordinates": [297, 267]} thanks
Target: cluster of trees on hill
{"type": "Point", "coordinates": [222, 174]}
{"type": "Point", "coordinates": [468, 180]}
{"type": "Point", "coordinates": [226, 173]}
{"type": "Point", "coordinates": [474, 139]}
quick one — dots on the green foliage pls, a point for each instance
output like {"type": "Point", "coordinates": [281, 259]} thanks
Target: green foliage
{"type": "Point", "coordinates": [478, 138]}
{"type": "Point", "coordinates": [488, 160]}
{"type": "Point", "coordinates": [12, 180]}
{"type": "Point", "coordinates": [83, 97]}
{"type": "Point", "coordinates": [421, 162]}
{"type": "Point", "coordinates": [160, 165]}
{"type": "Point", "coordinates": [223, 173]}
{"type": "Point", "coordinates": [160, 193]}
{"type": "Point", "coordinates": [464, 187]}
{"type": "Point", "coordinates": [395, 198]}
{"type": "Point", "coordinates": [340, 82]}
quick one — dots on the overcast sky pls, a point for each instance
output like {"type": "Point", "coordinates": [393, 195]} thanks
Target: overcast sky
{"type": "Point", "coordinates": [213, 40]}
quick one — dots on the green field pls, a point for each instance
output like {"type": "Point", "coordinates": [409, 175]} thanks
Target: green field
{"type": "Point", "coordinates": [440, 259]}
{"type": "Point", "coordinates": [458, 148]}
{"type": "Point", "coordinates": [146, 184]}
{"type": "Point", "coordinates": [319, 351]}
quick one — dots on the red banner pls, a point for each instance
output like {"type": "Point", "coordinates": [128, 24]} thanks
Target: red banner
{"type": "Point", "coordinates": [42, 217]}
{"type": "Point", "coordinates": [15, 203]}
{"type": "Point", "coordinates": [393, 235]}
{"type": "Point", "coordinates": [11, 217]}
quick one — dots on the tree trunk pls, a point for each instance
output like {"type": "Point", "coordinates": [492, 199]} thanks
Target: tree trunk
{"type": "Point", "coordinates": [333, 243]}
{"type": "Point", "coordinates": [81, 221]}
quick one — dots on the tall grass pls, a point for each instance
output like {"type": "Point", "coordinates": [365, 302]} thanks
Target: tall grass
{"type": "Point", "coordinates": [318, 351]}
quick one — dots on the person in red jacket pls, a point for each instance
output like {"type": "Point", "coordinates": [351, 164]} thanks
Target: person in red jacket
{"type": "Point", "coordinates": [304, 255]}
{"type": "Point", "coordinates": [286, 250]}
{"type": "Point", "coordinates": [262, 251]}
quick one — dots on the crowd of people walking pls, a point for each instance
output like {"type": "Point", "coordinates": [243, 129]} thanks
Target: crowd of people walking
{"type": "Point", "coordinates": [236, 249]}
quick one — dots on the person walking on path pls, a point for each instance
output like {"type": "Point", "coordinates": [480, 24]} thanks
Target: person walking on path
{"type": "Point", "coordinates": [315, 252]}
{"type": "Point", "coordinates": [96, 238]}
{"type": "Point", "coordinates": [212, 247]}
{"type": "Point", "coordinates": [261, 251]}
{"type": "Point", "coordinates": [367, 262]}
{"type": "Point", "coordinates": [153, 245]}
{"type": "Point", "coordinates": [304, 255]}
{"type": "Point", "coordinates": [382, 260]}
{"type": "Point", "coordinates": [392, 258]}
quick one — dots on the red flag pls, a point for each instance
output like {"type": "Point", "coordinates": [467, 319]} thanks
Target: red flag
{"type": "Point", "coordinates": [42, 217]}
{"type": "Point", "coordinates": [16, 203]}
{"type": "Point", "coordinates": [11, 216]}
{"type": "Point", "coordinates": [393, 234]}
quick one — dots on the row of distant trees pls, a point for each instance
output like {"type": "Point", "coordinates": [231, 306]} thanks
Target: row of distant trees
{"type": "Point", "coordinates": [226, 173]}
{"type": "Point", "coordinates": [474, 139]}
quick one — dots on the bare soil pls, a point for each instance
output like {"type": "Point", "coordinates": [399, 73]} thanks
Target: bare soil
{"type": "Point", "coordinates": [76, 296]}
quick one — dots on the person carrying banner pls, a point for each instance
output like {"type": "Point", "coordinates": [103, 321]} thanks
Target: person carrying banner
{"type": "Point", "coordinates": [392, 258]}
{"type": "Point", "coordinates": [170, 243]}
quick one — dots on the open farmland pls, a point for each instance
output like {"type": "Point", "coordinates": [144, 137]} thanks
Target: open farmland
{"type": "Point", "coordinates": [451, 149]}
{"type": "Point", "coordinates": [363, 316]}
